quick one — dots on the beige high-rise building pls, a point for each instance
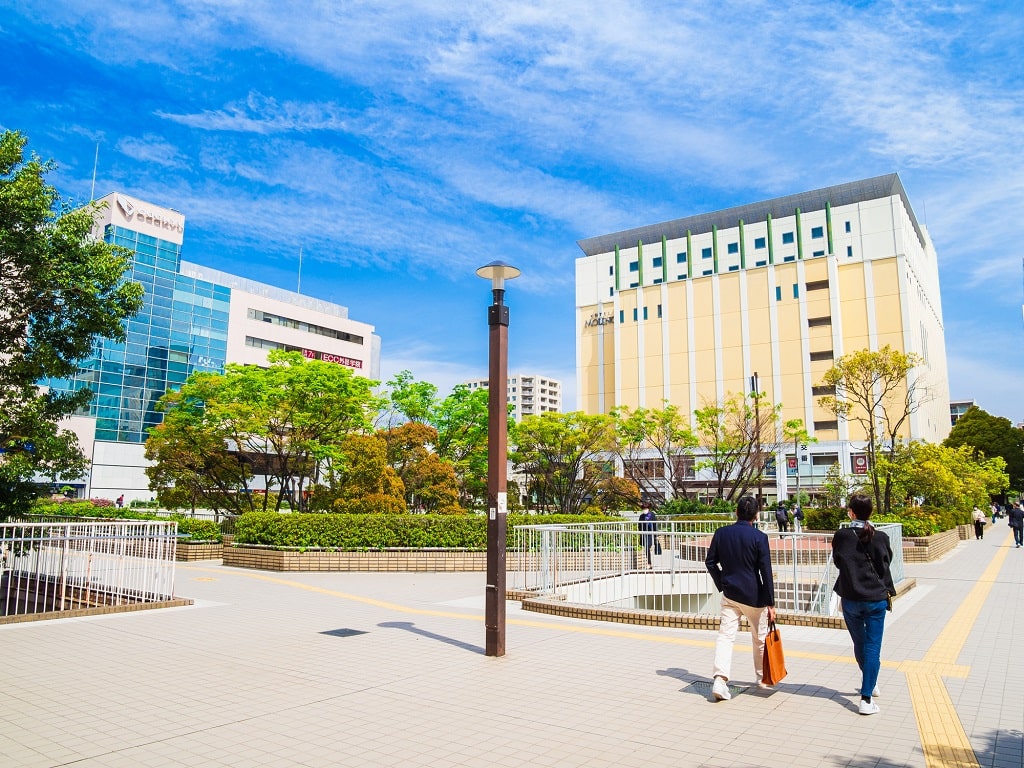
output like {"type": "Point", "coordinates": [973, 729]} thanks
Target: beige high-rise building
{"type": "Point", "coordinates": [687, 311]}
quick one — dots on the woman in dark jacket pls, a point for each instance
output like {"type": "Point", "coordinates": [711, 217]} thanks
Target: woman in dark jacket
{"type": "Point", "coordinates": [862, 556]}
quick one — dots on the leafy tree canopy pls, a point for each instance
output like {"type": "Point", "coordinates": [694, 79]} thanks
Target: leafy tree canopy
{"type": "Point", "coordinates": [991, 436]}
{"type": "Point", "coordinates": [61, 289]}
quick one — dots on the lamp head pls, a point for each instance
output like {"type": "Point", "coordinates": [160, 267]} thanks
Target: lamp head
{"type": "Point", "coordinates": [498, 272]}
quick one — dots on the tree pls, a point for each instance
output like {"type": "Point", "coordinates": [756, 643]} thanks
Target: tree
{"type": "Point", "coordinates": [61, 289]}
{"type": "Point", "coordinates": [794, 431]}
{"type": "Point", "coordinates": [951, 477]}
{"type": "Point", "coordinates": [284, 423]}
{"type": "Point", "coordinates": [408, 400]}
{"type": "Point", "coordinates": [461, 423]}
{"type": "Point", "coordinates": [991, 436]}
{"type": "Point", "coordinates": [736, 436]}
{"type": "Point", "coordinates": [429, 481]}
{"type": "Point", "coordinates": [655, 447]}
{"type": "Point", "coordinates": [364, 483]}
{"type": "Point", "coordinates": [876, 391]}
{"type": "Point", "coordinates": [555, 449]}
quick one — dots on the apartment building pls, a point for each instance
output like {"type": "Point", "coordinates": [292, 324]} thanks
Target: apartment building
{"type": "Point", "coordinates": [530, 394]}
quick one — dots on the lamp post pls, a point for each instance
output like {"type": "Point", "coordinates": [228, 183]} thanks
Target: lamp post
{"type": "Point", "coordinates": [497, 451]}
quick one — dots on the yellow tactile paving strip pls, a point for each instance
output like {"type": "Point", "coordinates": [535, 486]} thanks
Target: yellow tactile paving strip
{"type": "Point", "coordinates": [943, 739]}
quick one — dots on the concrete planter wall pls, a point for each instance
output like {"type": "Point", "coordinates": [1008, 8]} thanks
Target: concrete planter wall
{"type": "Point", "coordinates": [190, 551]}
{"type": "Point", "coordinates": [405, 560]}
{"type": "Point", "coordinates": [924, 549]}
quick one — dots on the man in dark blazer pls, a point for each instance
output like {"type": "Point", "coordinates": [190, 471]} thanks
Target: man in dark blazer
{"type": "Point", "coordinates": [740, 564]}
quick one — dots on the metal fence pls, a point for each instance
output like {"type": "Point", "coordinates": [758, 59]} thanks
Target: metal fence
{"type": "Point", "coordinates": [606, 564]}
{"type": "Point", "coordinates": [64, 566]}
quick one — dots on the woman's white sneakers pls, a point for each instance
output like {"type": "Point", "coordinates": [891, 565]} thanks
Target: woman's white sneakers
{"type": "Point", "coordinates": [868, 708]}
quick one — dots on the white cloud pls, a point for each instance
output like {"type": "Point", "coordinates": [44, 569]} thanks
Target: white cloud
{"type": "Point", "coordinates": [151, 149]}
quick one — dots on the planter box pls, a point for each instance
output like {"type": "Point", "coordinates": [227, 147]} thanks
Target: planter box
{"type": "Point", "coordinates": [925, 549]}
{"type": "Point", "coordinates": [405, 560]}
{"type": "Point", "coordinates": [189, 551]}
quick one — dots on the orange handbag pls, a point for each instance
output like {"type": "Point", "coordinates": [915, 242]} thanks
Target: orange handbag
{"type": "Point", "coordinates": [774, 660]}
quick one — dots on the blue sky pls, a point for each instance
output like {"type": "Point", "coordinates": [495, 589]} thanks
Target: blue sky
{"type": "Point", "coordinates": [401, 145]}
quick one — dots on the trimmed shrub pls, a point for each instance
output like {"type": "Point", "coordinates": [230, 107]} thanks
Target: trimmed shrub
{"type": "Point", "coordinates": [361, 532]}
{"type": "Point", "coordinates": [201, 530]}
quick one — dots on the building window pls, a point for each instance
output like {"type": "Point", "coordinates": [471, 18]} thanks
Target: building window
{"type": "Point", "coordinates": [847, 226]}
{"type": "Point", "coordinates": [659, 310]}
{"type": "Point", "coordinates": [734, 268]}
{"type": "Point", "coordinates": [657, 280]}
{"type": "Point", "coordinates": [611, 270]}
{"type": "Point", "coordinates": [611, 291]}
{"type": "Point", "coordinates": [817, 322]}
{"type": "Point", "coordinates": [787, 238]}
{"type": "Point", "coordinates": [634, 285]}
{"type": "Point", "coordinates": [645, 313]}
{"type": "Point", "coordinates": [823, 425]}
{"type": "Point", "coordinates": [819, 356]}
{"type": "Point", "coordinates": [759, 243]}
{"type": "Point", "coordinates": [705, 253]}
{"type": "Point", "coordinates": [790, 258]}
{"type": "Point", "coordinates": [708, 272]}
{"type": "Point", "coordinates": [681, 257]}
{"type": "Point", "coordinates": [816, 254]}
{"type": "Point", "coordinates": [778, 293]}
{"type": "Point", "coordinates": [817, 233]}
{"type": "Point", "coordinates": [817, 285]}
{"type": "Point", "coordinates": [634, 314]}
{"type": "Point", "coordinates": [680, 277]}
{"type": "Point", "coordinates": [733, 248]}
{"type": "Point", "coordinates": [796, 290]}
{"type": "Point", "coordinates": [657, 262]}
{"type": "Point", "coordinates": [761, 263]}
{"type": "Point", "coordinates": [634, 266]}
{"type": "Point", "coordinates": [287, 322]}
{"type": "Point", "coordinates": [849, 251]}
{"type": "Point", "coordinates": [622, 316]}
{"type": "Point", "coordinates": [823, 390]}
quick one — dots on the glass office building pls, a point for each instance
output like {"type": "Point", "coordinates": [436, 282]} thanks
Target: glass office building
{"type": "Point", "coordinates": [182, 327]}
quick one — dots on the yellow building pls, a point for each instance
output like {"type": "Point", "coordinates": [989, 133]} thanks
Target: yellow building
{"type": "Point", "coordinates": [686, 311]}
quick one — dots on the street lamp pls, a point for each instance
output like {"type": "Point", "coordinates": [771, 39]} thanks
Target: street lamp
{"type": "Point", "coordinates": [497, 451]}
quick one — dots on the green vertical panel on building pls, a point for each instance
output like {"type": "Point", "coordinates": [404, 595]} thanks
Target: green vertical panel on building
{"type": "Point", "coordinates": [799, 238]}
{"type": "Point", "coordinates": [828, 225]}
{"type": "Point", "coordinates": [714, 247]}
{"type": "Point", "coordinates": [771, 244]}
{"type": "Point", "coordinates": [640, 262]}
{"type": "Point", "coordinates": [743, 248]}
{"type": "Point", "coordinates": [689, 254]}
{"type": "Point", "coordinates": [617, 270]}
{"type": "Point", "coordinates": [664, 259]}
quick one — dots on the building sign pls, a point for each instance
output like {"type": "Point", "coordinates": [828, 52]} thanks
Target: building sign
{"type": "Point", "coordinates": [791, 466]}
{"type": "Point", "coordinates": [598, 318]}
{"type": "Point", "coordinates": [327, 357]}
{"type": "Point", "coordinates": [860, 464]}
{"type": "Point", "coordinates": [157, 217]}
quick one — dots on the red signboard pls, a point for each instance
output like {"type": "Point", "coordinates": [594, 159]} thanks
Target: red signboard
{"type": "Point", "coordinates": [860, 465]}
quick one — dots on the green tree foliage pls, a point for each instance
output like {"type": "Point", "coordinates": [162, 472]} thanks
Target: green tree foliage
{"type": "Point", "coordinates": [60, 290]}
{"type": "Point", "coordinates": [554, 451]}
{"type": "Point", "coordinates": [991, 436]}
{"type": "Point", "coordinates": [461, 423]}
{"type": "Point", "coordinates": [284, 423]}
{"type": "Point", "coordinates": [876, 391]}
{"type": "Point", "coordinates": [657, 439]}
{"type": "Point", "coordinates": [953, 478]}
{"type": "Point", "coordinates": [409, 400]}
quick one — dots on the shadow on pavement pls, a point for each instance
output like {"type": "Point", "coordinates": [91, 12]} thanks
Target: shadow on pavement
{"type": "Point", "coordinates": [408, 626]}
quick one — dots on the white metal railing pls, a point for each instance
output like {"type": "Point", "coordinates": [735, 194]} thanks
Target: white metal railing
{"type": "Point", "coordinates": [48, 567]}
{"type": "Point", "coordinates": [606, 564]}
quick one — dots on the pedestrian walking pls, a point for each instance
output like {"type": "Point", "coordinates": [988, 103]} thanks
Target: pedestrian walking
{"type": "Point", "coordinates": [862, 556]}
{"type": "Point", "coordinates": [740, 564]}
{"type": "Point", "coordinates": [979, 524]}
{"type": "Point", "coordinates": [649, 532]}
{"type": "Point", "coordinates": [782, 518]}
{"type": "Point", "coordinates": [120, 501]}
{"type": "Point", "coordinates": [798, 519]}
{"type": "Point", "coordinates": [1016, 521]}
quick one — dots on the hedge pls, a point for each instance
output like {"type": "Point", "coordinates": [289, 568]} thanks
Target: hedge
{"type": "Point", "coordinates": [188, 527]}
{"type": "Point", "coordinates": [916, 521]}
{"type": "Point", "coordinates": [363, 532]}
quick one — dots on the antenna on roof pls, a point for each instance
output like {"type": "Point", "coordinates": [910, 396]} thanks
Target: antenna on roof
{"type": "Point", "coordinates": [96, 162]}
{"type": "Point", "coordinates": [298, 288]}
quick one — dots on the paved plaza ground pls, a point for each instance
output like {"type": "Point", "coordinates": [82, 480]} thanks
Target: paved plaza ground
{"type": "Point", "coordinates": [388, 669]}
